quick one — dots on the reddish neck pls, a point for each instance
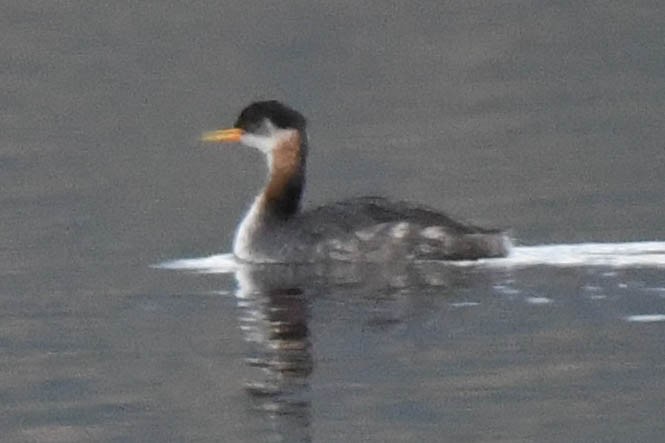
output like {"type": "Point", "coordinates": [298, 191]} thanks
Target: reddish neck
{"type": "Point", "coordinates": [281, 196]}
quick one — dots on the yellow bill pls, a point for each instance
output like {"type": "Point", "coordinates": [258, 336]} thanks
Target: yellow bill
{"type": "Point", "coordinates": [223, 135]}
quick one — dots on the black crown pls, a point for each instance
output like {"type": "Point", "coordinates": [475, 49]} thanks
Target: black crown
{"type": "Point", "coordinates": [279, 114]}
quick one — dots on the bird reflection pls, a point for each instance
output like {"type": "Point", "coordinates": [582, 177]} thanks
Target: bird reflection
{"type": "Point", "coordinates": [274, 318]}
{"type": "Point", "coordinates": [274, 314]}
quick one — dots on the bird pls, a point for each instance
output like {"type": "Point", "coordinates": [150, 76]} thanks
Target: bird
{"type": "Point", "coordinates": [361, 229]}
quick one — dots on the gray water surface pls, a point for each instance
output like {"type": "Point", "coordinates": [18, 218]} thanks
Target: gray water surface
{"type": "Point", "coordinates": [544, 118]}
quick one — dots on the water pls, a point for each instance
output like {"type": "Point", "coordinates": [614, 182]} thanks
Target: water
{"type": "Point", "coordinates": [543, 118]}
{"type": "Point", "coordinates": [496, 350]}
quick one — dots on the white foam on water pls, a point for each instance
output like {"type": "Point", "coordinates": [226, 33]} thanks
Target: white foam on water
{"type": "Point", "coordinates": [507, 290]}
{"type": "Point", "coordinates": [619, 255]}
{"type": "Point", "coordinates": [539, 300]}
{"type": "Point", "coordinates": [220, 263]}
{"type": "Point", "coordinates": [614, 255]}
{"type": "Point", "coordinates": [646, 318]}
{"type": "Point", "coordinates": [464, 304]}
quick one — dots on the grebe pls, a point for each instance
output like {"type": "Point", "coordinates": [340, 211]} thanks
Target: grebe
{"type": "Point", "coordinates": [371, 229]}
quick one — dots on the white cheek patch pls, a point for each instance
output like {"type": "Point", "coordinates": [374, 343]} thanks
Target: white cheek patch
{"type": "Point", "coordinates": [263, 143]}
{"type": "Point", "coordinates": [269, 139]}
